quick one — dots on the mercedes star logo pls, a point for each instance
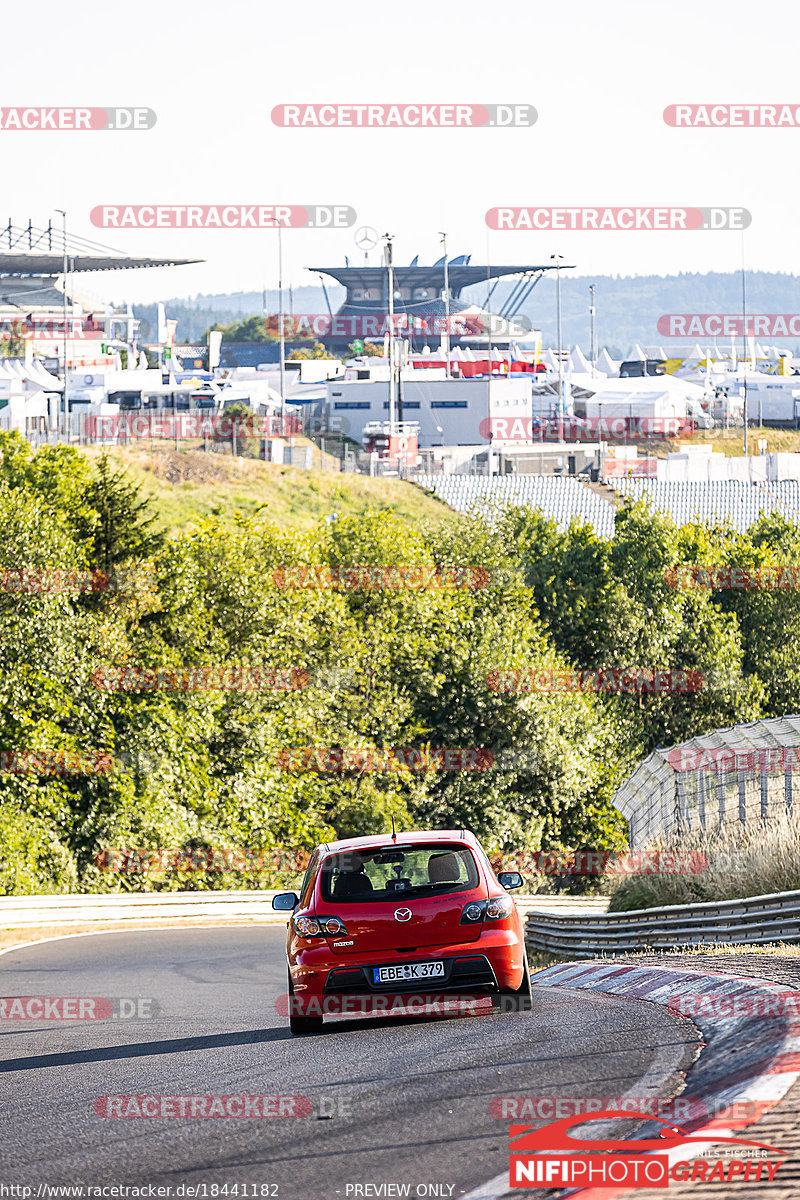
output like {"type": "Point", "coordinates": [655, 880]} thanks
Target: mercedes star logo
{"type": "Point", "coordinates": [402, 914]}
{"type": "Point", "coordinates": [366, 237]}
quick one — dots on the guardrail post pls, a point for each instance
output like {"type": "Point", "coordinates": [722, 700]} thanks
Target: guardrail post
{"type": "Point", "coordinates": [684, 816]}
{"type": "Point", "coordinates": [701, 799]}
{"type": "Point", "coordinates": [787, 788]}
{"type": "Point", "coordinates": [764, 793]}
{"type": "Point", "coordinates": [721, 796]}
{"type": "Point", "coordinates": [666, 815]}
{"type": "Point", "coordinates": [742, 796]}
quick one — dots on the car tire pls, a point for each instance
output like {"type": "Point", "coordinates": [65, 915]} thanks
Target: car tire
{"type": "Point", "coordinates": [298, 1024]}
{"type": "Point", "coordinates": [516, 999]}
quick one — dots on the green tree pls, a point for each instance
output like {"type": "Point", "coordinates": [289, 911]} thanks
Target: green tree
{"type": "Point", "coordinates": [248, 329]}
{"type": "Point", "coordinates": [14, 345]}
{"type": "Point", "coordinates": [315, 351]}
{"type": "Point", "coordinates": [120, 523]}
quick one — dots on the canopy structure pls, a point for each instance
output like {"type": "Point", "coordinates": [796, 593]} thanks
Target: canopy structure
{"type": "Point", "coordinates": [741, 774]}
{"type": "Point", "coordinates": [578, 360]}
{"type": "Point", "coordinates": [34, 372]}
{"type": "Point", "coordinates": [606, 363]}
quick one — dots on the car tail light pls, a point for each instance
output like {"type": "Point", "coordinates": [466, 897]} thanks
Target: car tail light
{"type": "Point", "coordinates": [496, 909]}
{"type": "Point", "coordinates": [319, 926]}
{"type": "Point", "coordinates": [499, 907]}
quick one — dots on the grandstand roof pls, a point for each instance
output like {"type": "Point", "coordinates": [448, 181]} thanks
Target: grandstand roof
{"type": "Point", "coordinates": [428, 276]}
{"type": "Point", "coordinates": [51, 265]}
{"type": "Point", "coordinates": [38, 251]}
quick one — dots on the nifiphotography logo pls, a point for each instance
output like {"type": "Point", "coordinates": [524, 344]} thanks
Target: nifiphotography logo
{"type": "Point", "coordinates": [550, 1156]}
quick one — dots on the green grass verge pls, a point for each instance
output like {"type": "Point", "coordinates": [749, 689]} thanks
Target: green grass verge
{"type": "Point", "coordinates": [188, 485]}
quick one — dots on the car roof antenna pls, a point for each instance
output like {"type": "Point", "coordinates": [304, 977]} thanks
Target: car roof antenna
{"type": "Point", "coordinates": [394, 831]}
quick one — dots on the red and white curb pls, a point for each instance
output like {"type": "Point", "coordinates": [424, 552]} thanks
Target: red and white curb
{"type": "Point", "coordinates": [751, 1056]}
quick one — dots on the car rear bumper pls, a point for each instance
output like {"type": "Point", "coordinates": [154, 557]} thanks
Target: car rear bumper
{"type": "Point", "coordinates": [494, 963]}
{"type": "Point", "coordinates": [468, 973]}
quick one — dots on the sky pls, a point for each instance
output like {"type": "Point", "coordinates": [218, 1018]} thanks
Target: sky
{"type": "Point", "coordinates": [598, 74]}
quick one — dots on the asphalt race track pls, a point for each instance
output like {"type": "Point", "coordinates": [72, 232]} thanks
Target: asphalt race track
{"type": "Point", "coordinates": [402, 1102]}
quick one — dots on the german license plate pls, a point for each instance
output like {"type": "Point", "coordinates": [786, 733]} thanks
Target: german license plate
{"type": "Point", "coordinates": [406, 971]}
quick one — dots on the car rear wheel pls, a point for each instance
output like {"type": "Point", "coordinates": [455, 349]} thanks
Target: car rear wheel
{"type": "Point", "coordinates": [297, 1023]}
{"type": "Point", "coordinates": [516, 999]}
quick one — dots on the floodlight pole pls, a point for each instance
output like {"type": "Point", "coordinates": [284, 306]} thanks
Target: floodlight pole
{"type": "Point", "coordinates": [390, 286]}
{"type": "Point", "coordinates": [282, 344]}
{"type": "Point", "coordinates": [443, 237]}
{"type": "Point", "coordinates": [593, 331]}
{"type": "Point", "coordinates": [66, 269]}
{"type": "Point", "coordinates": [558, 258]}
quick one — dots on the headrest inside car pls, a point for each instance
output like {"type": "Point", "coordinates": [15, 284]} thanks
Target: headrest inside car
{"type": "Point", "coordinates": [443, 868]}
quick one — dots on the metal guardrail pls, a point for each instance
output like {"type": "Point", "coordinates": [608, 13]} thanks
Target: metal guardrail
{"type": "Point", "coordinates": [755, 920]}
{"type": "Point", "coordinates": [141, 908]}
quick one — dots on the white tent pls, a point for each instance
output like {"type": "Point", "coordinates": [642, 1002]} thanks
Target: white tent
{"type": "Point", "coordinates": [39, 375]}
{"type": "Point", "coordinates": [578, 360]}
{"type": "Point", "coordinates": [585, 381]}
{"type": "Point", "coordinates": [606, 363]}
{"type": "Point", "coordinates": [637, 354]}
{"type": "Point", "coordinates": [675, 388]}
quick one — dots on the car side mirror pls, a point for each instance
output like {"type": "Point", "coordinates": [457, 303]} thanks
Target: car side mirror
{"type": "Point", "coordinates": [285, 901]}
{"type": "Point", "coordinates": [510, 880]}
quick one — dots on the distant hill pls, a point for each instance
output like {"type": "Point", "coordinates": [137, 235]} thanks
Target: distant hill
{"type": "Point", "coordinates": [628, 307]}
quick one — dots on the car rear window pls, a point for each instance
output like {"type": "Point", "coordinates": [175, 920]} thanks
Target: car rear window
{"type": "Point", "coordinates": [393, 872]}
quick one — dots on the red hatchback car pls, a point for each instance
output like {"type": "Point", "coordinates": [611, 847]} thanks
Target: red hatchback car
{"type": "Point", "coordinates": [404, 914]}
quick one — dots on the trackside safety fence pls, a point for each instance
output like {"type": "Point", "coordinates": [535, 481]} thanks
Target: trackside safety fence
{"type": "Point", "coordinates": [753, 921]}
